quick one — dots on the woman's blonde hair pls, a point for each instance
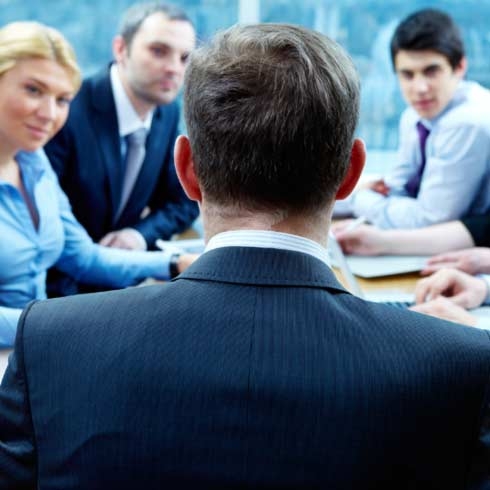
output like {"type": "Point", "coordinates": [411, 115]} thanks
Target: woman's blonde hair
{"type": "Point", "coordinates": [24, 40]}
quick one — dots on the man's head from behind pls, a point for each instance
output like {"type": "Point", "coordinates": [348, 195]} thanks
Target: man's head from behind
{"type": "Point", "coordinates": [271, 111]}
{"type": "Point", "coordinates": [151, 50]}
{"type": "Point", "coordinates": [428, 56]}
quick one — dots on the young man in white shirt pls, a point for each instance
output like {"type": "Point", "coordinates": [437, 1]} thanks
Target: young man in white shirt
{"type": "Point", "coordinates": [444, 174]}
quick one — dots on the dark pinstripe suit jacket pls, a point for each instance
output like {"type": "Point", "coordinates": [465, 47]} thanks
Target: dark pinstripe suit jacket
{"type": "Point", "coordinates": [254, 369]}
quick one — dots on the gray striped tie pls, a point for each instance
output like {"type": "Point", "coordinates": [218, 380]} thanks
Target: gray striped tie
{"type": "Point", "coordinates": [134, 159]}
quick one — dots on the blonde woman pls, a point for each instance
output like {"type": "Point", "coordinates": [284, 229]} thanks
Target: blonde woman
{"type": "Point", "coordinates": [38, 78]}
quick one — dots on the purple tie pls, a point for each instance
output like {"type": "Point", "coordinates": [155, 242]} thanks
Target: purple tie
{"type": "Point", "coordinates": [413, 184]}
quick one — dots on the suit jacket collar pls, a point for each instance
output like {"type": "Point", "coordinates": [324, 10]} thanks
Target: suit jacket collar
{"type": "Point", "coordinates": [262, 267]}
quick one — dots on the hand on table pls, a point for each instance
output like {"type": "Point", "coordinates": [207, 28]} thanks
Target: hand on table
{"type": "Point", "coordinates": [185, 260]}
{"type": "Point", "coordinates": [474, 260]}
{"type": "Point", "coordinates": [362, 240]}
{"type": "Point", "coordinates": [378, 185]}
{"type": "Point", "coordinates": [126, 238]}
{"type": "Point", "coordinates": [462, 289]}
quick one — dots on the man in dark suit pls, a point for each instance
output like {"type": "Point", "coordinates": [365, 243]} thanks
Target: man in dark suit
{"type": "Point", "coordinates": [118, 206]}
{"type": "Point", "coordinates": [255, 368]}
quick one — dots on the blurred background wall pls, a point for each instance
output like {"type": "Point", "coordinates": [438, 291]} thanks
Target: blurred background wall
{"type": "Point", "coordinates": [363, 27]}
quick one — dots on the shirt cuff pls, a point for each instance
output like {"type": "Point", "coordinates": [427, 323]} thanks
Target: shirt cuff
{"type": "Point", "coordinates": [370, 204]}
{"type": "Point", "coordinates": [483, 323]}
{"type": "Point", "coordinates": [9, 318]}
{"type": "Point", "coordinates": [170, 249]}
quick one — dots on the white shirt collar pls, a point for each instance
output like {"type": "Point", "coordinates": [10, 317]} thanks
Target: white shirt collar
{"type": "Point", "coordinates": [268, 239]}
{"type": "Point", "coordinates": [460, 95]}
{"type": "Point", "coordinates": [127, 118]}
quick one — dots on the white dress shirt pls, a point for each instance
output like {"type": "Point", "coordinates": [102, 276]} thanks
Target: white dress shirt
{"type": "Point", "coordinates": [268, 239]}
{"type": "Point", "coordinates": [128, 119]}
{"type": "Point", "coordinates": [128, 122]}
{"type": "Point", "coordinates": [456, 179]}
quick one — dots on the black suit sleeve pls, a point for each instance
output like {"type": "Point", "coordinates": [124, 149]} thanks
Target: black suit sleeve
{"type": "Point", "coordinates": [60, 151]}
{"type": "Point", "coordinates": [479, 228]}
{"type": "Point", "coordinates": [171, 211]}
{"type": "Point", "coordinates": [18, 465]}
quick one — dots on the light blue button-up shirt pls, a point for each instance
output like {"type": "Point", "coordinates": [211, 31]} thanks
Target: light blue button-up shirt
{"type": "Point", "coordinates": [456, 178]}
{"type": "Point", "coordinates": [26, 252]}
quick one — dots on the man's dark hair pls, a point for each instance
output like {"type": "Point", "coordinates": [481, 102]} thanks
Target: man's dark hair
{"type": "Point", "coordinates": [429, 29]}
{"type": "Point", "coordinates": [135, 15]}
{"type": "Point", "coordinates": [271, 111]}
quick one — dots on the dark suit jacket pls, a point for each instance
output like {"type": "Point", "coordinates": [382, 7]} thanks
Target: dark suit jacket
{"type": "Point", "coordinates": [86, 155]}
{"type": "Point", "coordinates": [479, 228]}
{"type": "Point", "coordinates": [254, 369]}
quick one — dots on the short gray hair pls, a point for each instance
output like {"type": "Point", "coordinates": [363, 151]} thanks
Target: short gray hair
{"type": "Point", "coordinates": [135, 15]}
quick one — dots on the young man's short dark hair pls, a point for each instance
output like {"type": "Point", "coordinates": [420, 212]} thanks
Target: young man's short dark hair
{"type": "Point", "coordinates": [429, 30]}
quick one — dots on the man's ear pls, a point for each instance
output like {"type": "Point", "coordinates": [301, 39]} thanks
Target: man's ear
{"type": "Point", "coordinates": [184, 165]}
{"type": "Point", "coordinates": [462, 66]}
{"type": "Point", "coordinates": [357, 161]}
{"type": "Point", "coordinates": [118, 48]}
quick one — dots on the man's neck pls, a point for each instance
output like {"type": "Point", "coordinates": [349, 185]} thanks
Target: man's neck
{"type": "Point", "coordinates": [312, 226]}
{"type": "Point", "coordinates": [141, 107]}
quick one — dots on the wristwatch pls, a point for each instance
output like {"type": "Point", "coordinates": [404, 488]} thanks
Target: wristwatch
{"type": "Point", "coordinates": [173, 266]}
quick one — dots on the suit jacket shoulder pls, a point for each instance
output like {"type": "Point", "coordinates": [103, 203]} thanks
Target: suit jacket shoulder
{"type": "Point", "coordinates": [249, 361]}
